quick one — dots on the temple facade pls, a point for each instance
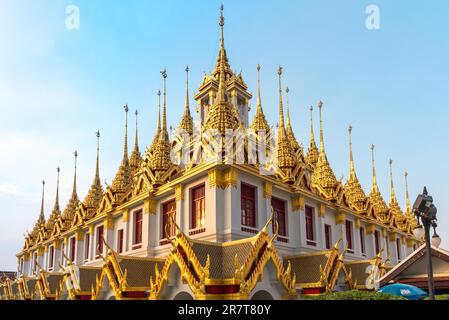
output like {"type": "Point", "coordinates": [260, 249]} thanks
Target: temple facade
{"type": "Point", "coordinates": [189, 219]}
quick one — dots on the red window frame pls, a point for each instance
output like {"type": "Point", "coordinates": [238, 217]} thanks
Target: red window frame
{"type": "Point", "coordinates": [377, 241]}
{"type": "Point", "coordinates": [310, 225]}
{"type": "Point", "coordinates": [86, 246]}
{"type": "Point", "coordinates": [120, 241]}
{"type": "Point", "coordinates": [51, 262]}
{"type": "Point", "coordinates": [328, 235]}
{"type": "Point", "coordinates": [248, 205]}
{"type": "Point", "coordinates": [279, 216]}
{"type": "Point", "coordinates": [349, 238]}
{"type": "Point", "coordinates": [100, 237]}
{"type": "Point", "coordinates": [362, 240]}
{"type": "Point", "coordinates": [72, 249]}
{"type": "Point", "coordinates": [168, 208]}
{"type": "Point", "coordinates": [198, 206]}
{"type": "Point", "coordinates": [398, 249]}
{"type": "Point", "coordinates": [137, 240]}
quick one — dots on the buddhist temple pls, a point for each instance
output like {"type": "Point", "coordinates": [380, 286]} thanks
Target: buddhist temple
{"type": "Point", "coordinates": [187, 218]}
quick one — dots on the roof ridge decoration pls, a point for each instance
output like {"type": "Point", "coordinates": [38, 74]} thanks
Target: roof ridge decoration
{"type": "Point", "coordinates": [259, 122]}
{"type": "Point", "coordinates": [286, 160]}
{"type": "Point", "coordinates": [186, 124]}
{"type": "Point", "coordinates": [354, 191]}
{"type": "Point", "coordinates": [123, 181]}
{"type": "Point", "coordinates": [136, 158]}
{"type": "Point", "coordinates": [93, 198]}
{"type": "Point", "coordinates": [323, 178]}
{"type": "Point", "coordinates": [41, 219]}
{"type": "Point", "coordinates": [312, 153]}
{"type": "Point", "coordinates": [379, 206]}
{"type": "Point", "coordinates": [69, 212]}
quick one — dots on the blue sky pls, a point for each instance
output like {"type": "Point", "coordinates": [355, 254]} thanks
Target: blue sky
{"type": "Point", "coordinates": [58, 86]}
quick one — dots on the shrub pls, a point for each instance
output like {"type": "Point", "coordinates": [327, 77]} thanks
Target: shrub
{"type": "Point", "coordinates": [356, 295]}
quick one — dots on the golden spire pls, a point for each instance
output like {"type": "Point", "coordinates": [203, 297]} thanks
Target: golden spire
{"type": "Point", "coordinates": [222, 115]}
{"type": "Point", "coordinates": [161, 160]}
{"type": "Point", "coordinates": [158, 129]}
{"type": "Point", "coordinates": [354, 192]}
{"type": "Point", "coordinates": [56, 206]}
{"type": "Point", "coordinates": [69, 211]}
{"type": "Point", "coordinates": [312, 153]}
{"type": "Point", "coordinates": [56, 209]}
{"type": "Point", "coordinates": [285, 152]}
{"type": "Point", "coordinates": [323, 177]}
{"type": "Point", "coordinates": [374, 188]}
{"type": "Point", "coordinates": [408, 207]}
{"type": "Point", "coordinates": [95, 193]}
{"type": "Point", "coordinates": [291, 136]}
{"type": "Point", "coordinates": [186, 124]}
{"type": "Point", "coordinates": [122, 180]}
{"type": "Point", "coordinates": [41, 219]}
{"type": "Point", "coordinates": [393, 194]}
{"type": "Point", "coordinates": [379, 206]}
{"type": "Point", "coordinates": [222, 61]}
{"type": "Point", "coordinates": [259, 121]}
{"type": "Point", "coordinates": [136, 158]}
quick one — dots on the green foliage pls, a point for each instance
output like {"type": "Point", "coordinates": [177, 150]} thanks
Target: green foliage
{"type": "Point", "coordinates": [441, 297]}
{"type": "Point", "coordinates": [356, 295]}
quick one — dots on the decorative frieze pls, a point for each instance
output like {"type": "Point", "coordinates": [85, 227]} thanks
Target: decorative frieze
{"type": "Point", "coordinates": [267, 189]}
{"type": "Point", "coordinates": [357, 223]}
{"type": "Point", "coordinates": [57, 244]}
{"type": "Point", "coordinates": [149, 206]}
{"type": "Point", "coordinates": [40, 251]}
{"type": "Point", "coordinates": [370, 228]}
{"type": "Point", "coordinates": [392, 236]}
{"type": "Point", "coordinates": [223, 180]}
{"type": "Point", "coordinates": [322, 211]}
{"type": "Point", "coordinates": [298, 202]}
{"type": "Point", "coordinates": [340, 217]}
{"type": "Point", "coordinates": [179, 192]}
{"type": "Point", "coordinates": [125, 215]}
{"type": "Point", "coordinates": [109, 223]}
{"type": "Point", "coordinates": [79, 235]}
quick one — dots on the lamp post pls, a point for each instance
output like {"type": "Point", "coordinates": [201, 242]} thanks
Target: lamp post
{"type": "Point", "coordinates": [425, 211]}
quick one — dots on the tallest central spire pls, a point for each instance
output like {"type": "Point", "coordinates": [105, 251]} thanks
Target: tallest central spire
{"type": "Point", "coordinates": [222, 61]}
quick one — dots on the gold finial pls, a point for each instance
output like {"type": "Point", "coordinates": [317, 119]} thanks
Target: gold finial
{"type": "Point", "coordinates": [374, 188]}
{"type": "Point", "coordinates": [259, 100]}
{"type": "Point", "coordinates": [407, 197]}
{"type": "Point", "coordinates": [159, 111]}
{"type": "Point", "coordinates": [222, 21]}
{"type": "Point", "coordinates": [125, 145]}
{"type": "Point", "coordinates": [312, 135]}
{"type": "Point", "coordinates": [320, 106]}
{"type": "Point", "coordinates": [281, 108]}
{"type": "Point", "coordinates": [136, 137]}
{"type": "Point", "coordinates": [288, 107]}
{"type": "Point", "coordinates": [56, 207]}
{"type": "Point", "coordinates": [187, 89]}
{"type": "Point", "coordinates": [97, 164]}
{"type": "Point", "coordinates": [41, 215]}
{"type": "Point", "coordinates": [164, 109]}
{"type": "Point", "coordinates": [74, 176]}
{"type": "Point", "coordinates": [393, 194]}
{"type": "Point", "coordinates": [351, 159]}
